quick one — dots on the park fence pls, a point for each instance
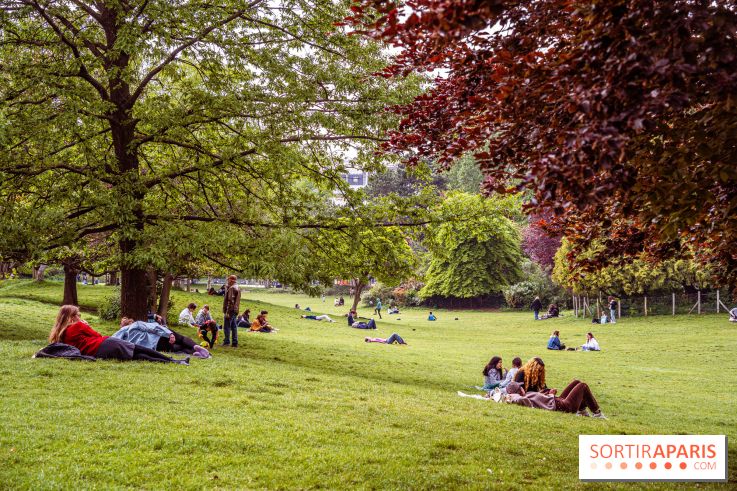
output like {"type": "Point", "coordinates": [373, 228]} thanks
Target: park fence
{"type": "Point", "coordinates": [698, 302]}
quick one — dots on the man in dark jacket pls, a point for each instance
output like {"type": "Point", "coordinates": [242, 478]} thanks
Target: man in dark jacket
{"type": "Point", "coordinates": [231, 307]}
{"type": "Point", "coordinates": [537, 306]}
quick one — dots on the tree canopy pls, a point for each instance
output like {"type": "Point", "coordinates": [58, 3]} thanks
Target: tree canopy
{"type": "Point", "coordinates": [617, 115]}
{"type": "Point", "coordinates": [144, 119]}
{"type": "Point", "coordinates": [476, 254]}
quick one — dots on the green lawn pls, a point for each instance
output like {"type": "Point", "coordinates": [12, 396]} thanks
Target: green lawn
{"type": "Point", "coordinates": [313, 406]}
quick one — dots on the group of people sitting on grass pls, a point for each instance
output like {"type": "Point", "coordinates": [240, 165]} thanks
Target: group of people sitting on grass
{"type": "Point", "coordinates": [591, 344]}
{"type": "Point", "coordinates": [525, 386]}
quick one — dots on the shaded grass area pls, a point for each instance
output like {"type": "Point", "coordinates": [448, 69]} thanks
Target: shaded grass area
{"type": "Point", "coordinates": [315, 407]}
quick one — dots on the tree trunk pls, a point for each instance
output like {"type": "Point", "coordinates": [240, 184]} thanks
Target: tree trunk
{"type": "Point", "coordinates": [40, 272]}
{"type": "Point", "coordinates": [357, 294]}
{"type": "Point", "coordinates": [114, 279]}
{"type": "Point", "coordinates": [151, 293]}
{"type": "Point", "coordinates": [164, 297]}
{"type": "Point", "coordinates": [70, 285]}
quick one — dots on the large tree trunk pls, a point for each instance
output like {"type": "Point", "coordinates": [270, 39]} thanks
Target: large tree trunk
{"type": "Point", "coordinates": [70, 284]}
{"type": "Point", "coordinates": [40, 272]}
{"type": "Point", "coordinates": [357, 294]}
{"type": "Point", "coordinates": [164, 297]}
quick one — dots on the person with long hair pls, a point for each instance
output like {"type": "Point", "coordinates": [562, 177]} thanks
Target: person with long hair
{"type": "Point", "coordinates": [575, 398]}
{"type": "Point", "coordinates": [591, 343]}
{"type": "Point", "coordinates": [554, 342]}
{"type": "Point", "coordinates": [493, 373]}
{"type": "Point", "coordinates": [69, 328]}
{"type": "Point", "coordinates": [532, 376]}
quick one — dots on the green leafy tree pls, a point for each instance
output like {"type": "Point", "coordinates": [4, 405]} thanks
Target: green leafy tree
{"type": "Point", "coordinates": [477, 252]}
{"type": "Point", "coordinates": [137, 116]}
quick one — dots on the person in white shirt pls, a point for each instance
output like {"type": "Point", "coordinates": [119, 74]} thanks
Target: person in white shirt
{"type": "Point", "coordinates": [185, 316]}
{"type": "Point", "coordinates": [733, 315]}
{"type": "Point", "coordinates": [591, 343]}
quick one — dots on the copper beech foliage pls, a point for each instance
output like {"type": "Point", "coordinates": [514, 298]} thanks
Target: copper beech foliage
{"type": "Point", "coordinates": [619, 116]}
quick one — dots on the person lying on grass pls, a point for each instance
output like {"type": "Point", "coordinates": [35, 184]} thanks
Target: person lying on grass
{"type": "Point", "coordinates": [261, 324]}
{"type": "Point", "coordinates": [323, 317]}
{"type": "Point", "coordinates": [354, 323]}
{"type": "Point", "coordinates": [532, 376]}
{"type": "Point", "coordinates": [575, 398]}
{"type": "Point", "coordinates": [554, 342]}
{"type": "Point", "coordinates": [154, 336]}
{"type": "Point", "coordinates": [394, 338]}
{"type": "Point", "coordinates": [69, 328]}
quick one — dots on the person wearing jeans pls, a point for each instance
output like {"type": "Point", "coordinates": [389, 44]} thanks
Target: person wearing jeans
{"type": "Point", "coordinates": [394, 338]}
{"type": "Point", "coordinates": [612, 310]}
{"type": "Point", "coordinates": [231, 306]}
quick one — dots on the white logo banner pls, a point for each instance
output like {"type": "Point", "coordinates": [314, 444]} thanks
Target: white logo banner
{"type": "Point", "coordinates": [652, 458]}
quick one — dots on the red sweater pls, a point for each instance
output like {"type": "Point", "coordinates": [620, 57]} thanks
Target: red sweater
{"type": "Point", "coordinates": [82, 336]}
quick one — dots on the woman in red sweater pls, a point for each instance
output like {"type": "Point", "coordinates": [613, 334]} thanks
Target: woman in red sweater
{"type": "Point", "coordinates": [69, 328]}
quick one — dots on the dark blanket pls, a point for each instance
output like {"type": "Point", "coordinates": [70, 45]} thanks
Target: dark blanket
{"type": "Point", "coordinates": [61, 350]}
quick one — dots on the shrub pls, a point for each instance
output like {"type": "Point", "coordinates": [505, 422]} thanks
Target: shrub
{"type": "Point", "coordinates": [109, 308]}
{"type": "Point", "coordinates": [536, 283]}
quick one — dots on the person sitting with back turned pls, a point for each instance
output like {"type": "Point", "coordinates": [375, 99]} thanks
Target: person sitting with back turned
{"type": "Point", "coordinates": [733, 315]}
{"type": "Point", "coordinates": [554, 342]}
{"type": "Point", "coordinates": [432, 317]}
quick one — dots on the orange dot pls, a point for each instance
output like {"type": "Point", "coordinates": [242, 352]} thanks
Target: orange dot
{"type": "Point", "coordinates": [668, 465]}
{"type": "Point", "coordinates": [608, 465]}
{"type": "Point", "coordinates": [638, 465]}
{"type": "Point", "coordinates": [623, 465]}
{"type": "Point", "coordinates": [593, 465]}
{"type": "Point", "coordinates": [653, 465]}
{"type": "Point", "coordinates": [683, 465]}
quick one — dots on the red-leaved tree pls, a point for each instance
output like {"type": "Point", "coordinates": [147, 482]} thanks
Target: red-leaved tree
{"type": "Point", "coordinates": [538, 243]}
{"type": "Point", "coordinates": [616, 115]}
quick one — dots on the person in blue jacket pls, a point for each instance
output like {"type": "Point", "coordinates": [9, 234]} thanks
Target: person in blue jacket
{"type": "Point", "coordinates": [157, 337]}
{"type": "Point", "coordinates": [432, 317]}
{"type": "Point", "coordinates": [554, 342]}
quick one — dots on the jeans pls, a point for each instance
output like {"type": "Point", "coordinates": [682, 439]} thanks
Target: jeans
{"type": "Point", "coordinates": [612, 319]}
{"type": "Point", "coordinates": [537, 315]}
{"type": "Point", "coordinates": [395, 338]}
{"type": "Point", "coordinates": [230, 328]}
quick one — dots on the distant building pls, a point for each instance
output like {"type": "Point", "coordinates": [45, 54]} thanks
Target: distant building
{"type": "Point", "coordinates": [356, 179]}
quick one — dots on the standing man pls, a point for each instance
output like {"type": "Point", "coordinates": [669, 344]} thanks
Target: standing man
{"type": "Point", "coordinates": [231, 306]}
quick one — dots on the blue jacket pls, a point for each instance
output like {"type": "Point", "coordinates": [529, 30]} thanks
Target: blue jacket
{"type": "Point", "coordinates": [554, 343]}
{"type": "Point", "coordinates": [146, 334]}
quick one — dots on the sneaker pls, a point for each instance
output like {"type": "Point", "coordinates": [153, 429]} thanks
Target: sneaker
{"type": "Point", "coordinates": [598, 415]}
{"type": "Point", "coordinates": [225, 344]}
{"type": "Point", "coordinates": [584, 413]}
{"type": "Point", "coordinates": [183, 362]}
{"type": "Point", "coordinates": [235, 345]}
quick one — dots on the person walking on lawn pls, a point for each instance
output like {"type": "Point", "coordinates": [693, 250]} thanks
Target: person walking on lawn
{"type": "Point", "coordinates": [377, 310]}
{"type": "Point", "coordinates": [231, 307]}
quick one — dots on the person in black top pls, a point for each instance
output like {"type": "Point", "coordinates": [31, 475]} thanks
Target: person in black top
{"type": "Point", "coordinates": [537, 306]}
{"type": "Point", "coordinates": [612, 309]}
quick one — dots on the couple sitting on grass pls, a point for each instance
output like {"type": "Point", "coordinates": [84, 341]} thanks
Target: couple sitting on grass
{"type": "Point", "coordinates": [354, 323]}
{"type": "Point", "coordinates": [527, 388]}
{"type": "Point", "coordinates": [134, 341]}
{"type": "Point", "coordinates": [555, 344]}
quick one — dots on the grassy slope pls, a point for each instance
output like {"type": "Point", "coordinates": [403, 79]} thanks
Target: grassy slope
{"type": "Point", "coordinates": [315, 406]}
